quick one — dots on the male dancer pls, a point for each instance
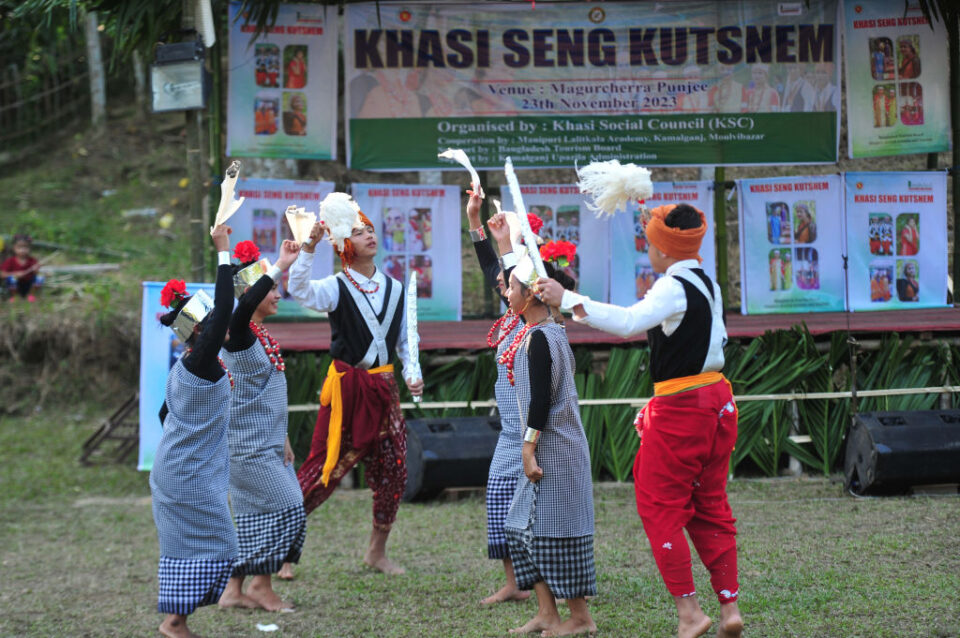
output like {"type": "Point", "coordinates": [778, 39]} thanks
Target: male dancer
{"type": "Point", "coordinates": [360, 417]}
{"type": "Point", "coordinates": [690, 426]}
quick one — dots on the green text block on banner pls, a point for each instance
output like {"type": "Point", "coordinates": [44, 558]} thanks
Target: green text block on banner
{"type": "Point", "coordinates": [738, 82]}
{"type": "Point", "coordinates": [560, 141]}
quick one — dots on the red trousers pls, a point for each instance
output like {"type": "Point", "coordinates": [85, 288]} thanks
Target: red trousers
{"type": "Point", "coordinates": [681, 482]}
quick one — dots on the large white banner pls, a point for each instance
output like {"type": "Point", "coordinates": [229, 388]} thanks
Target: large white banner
{"type": "Point", "coordinates": [898, 87]}
{"type": "Point", "coordinates": [418, 227]}
{"type": "Point", "coordinates": [282, 95]}
{"type": "Point", "coordinates": [262, 221]}
{"type": "Point", "coordinates": [897, 240]}
{"type": "Point", "coordinates": [692, 82]}
{"type": "Point", "coordinates": [566, 218]}
{"type": "Point", "coordinates": [631, 274]}
{"type": "Point", "coordinates": [791, 245]}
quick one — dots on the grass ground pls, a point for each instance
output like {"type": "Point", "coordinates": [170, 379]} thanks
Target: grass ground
{"type": "Point", "coordinates": [78, 555]}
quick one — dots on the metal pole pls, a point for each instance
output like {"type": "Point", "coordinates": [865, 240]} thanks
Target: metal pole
{"type": "Point", "coordinates": [953, 36]}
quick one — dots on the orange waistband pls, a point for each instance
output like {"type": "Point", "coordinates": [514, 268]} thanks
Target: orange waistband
{"type": "Point", "coordinates": [682, 384]}
{"type": "Point", "coordinates": [386, 368]}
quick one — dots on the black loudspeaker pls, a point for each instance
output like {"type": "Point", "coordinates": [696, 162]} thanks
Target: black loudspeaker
{"type": "Point", "coordinates": [452, 452]}
{"type": "Point", "coordinates": [888, 452]}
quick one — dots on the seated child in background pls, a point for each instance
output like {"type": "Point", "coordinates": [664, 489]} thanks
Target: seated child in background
{"type": "Point", "coordinates": [20, 270]}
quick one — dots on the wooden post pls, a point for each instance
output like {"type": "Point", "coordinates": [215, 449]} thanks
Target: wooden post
{"type": "Point", "coordinates": [98, 86]}
{"type": "Point", "coordinates": [720, 231]}
{"type": "Point", "coordinates": [199, 244]}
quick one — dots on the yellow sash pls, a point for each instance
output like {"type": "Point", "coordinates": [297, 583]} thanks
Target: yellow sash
{"type": "Point", "coordinates": [331, 395]}
{"type": "Point", "coordinates": [682, 384]}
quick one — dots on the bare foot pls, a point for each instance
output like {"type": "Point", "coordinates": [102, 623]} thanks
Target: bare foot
{"type": "Point", "coordinates": [383, 564]}
{"type": "Point", "coordinates": [694, 627]}
{"type": "Point", "coordinates": [572, 627]}
{"type": "Point", "coordinates": [537, 623]}
{"type": "Point", "coordinates": [263, 595]}
{"type": "Point", "coordinates": [507, 593]}
{"type": "Point", "coordinates": [175, 626]}
{"type": "Point", "coordinates": [286, 572]}
{"type": "Point", "coordinates": [731, 624]}
{"type": "Point", "coordinates": [229, 600]}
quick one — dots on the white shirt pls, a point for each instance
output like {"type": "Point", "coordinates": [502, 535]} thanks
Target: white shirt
{"type": "Point", "coordinates": [664, 304]}
{"type": "Point", "coordinates": [324, 295]}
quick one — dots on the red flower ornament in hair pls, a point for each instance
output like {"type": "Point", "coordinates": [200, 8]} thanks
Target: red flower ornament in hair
{"type": "Point", "coordinates": [173, 293]}
{"type": "Point", "coordinates": [535, 223]}
{"type": "Point", "coordinates": [246, 251]}
{"type": "Point", "coordinates": [561, 252]}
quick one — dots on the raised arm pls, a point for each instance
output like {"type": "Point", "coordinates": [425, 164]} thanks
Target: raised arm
{"type": "Point", "coordinates": [203, 360]}
{"type": "Point", "coordinates": [241, 336]}
{"type": "Point", "coordinates": [486, 255]}
{"type": "Point", "coordinates": [665, 299]}
{"type": "Point", "coordinates": [320, 294]}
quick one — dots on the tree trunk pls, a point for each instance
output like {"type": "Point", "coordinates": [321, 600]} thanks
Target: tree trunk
{"type": "Point", "coordinates": [98, 87]}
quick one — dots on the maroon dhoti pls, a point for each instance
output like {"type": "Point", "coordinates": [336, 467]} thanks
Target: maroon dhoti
{"type": "Point", "coordinates": [373, 431]}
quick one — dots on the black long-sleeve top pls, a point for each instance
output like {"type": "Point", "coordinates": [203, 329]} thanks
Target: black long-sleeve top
{"type": "Point", "coordinates": [241, 336]}
{"type": "Point", "coordinates": [203, 357]}
{"type": "Point", "coordinates": [490, 265]}
{"type": "Point", "coordinates": [541, 373]}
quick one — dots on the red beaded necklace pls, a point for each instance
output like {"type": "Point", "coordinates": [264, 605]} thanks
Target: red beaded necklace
{"type": "Point", "coordinates": [504, 327]}
{"type": "Point", "coordinates": [376, 284]}
{"type": "Point", "coordinates": [222, 365]}
{"type": "Point", "coordinates": [270, 346]}
{"type": "Point", "coordinates": [510, 353]}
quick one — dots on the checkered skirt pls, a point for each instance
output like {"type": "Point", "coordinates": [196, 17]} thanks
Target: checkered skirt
{"type": "Point", "coordinates": [499, 494]}
{"type": "Point", "coordinates": [259, 481]}
{"type": "Point", "coordinates": [188, 584]}
{"type": "Point", "coordinates": [191, 472]}
{"type": "Point", "coordinates": [564, 564]}
{"type": "Point", "coordinates": [506, 457]}
{"type": "Point", "coordinates": [560, 505]}
{"type": "Point", "coordinates": [267, 541]}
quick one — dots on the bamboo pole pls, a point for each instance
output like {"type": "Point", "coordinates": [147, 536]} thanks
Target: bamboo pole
{"type": "Point", "coordinates": [720, 230]}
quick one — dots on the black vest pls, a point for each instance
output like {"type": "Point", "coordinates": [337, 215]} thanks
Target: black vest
{"type": "Point", "coordinates": [350, 338]}
{"type": "Point", "coordinates": [684, 352]}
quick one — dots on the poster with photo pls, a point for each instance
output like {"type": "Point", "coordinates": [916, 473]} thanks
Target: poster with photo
{"type": "Point", "coordinates": [159, 350]}
{"type": "Point", "coordinates": [897, 79]}
{"type": "Point", "coordinates": [418, 228]}
{"type": "Point", "coordinates": [791, 245]}
{"type": "Point", "coordinates": [262, 221]}
{"type": "Point", "coordinates": [565, 218]}
{"type": "Point", "coordinates": [631, 274]}
{"type": "Point", "coordinates": [279, 98]}
{"type": "Point", "coordinates": [896, 226]}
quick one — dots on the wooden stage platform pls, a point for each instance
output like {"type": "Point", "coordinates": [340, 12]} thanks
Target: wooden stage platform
{"type": "Point", "coordinates": [472, 334]}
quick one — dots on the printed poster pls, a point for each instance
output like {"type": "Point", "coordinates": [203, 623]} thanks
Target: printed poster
{"type": "Point", "coordinates": [282, 97]}
{"type": "Point", "coordinates": [697, 82]}
{"type": "Point", "coordinates": [898, 89]}
{"type": "Point", "coordinates": [791, 245]}
{"type": "Point", "coordinates": [262, 221]}
{"type": "Point", "coordinates": [418, 228]}
{"type": "Point", "coordinates": [631, 274]}
{"type": "Point", "coordinates": [566, 218]}
{"type": "Point", "coordinates": [897, 240]}
{"type": "Point", "coordinates": [159, 350]}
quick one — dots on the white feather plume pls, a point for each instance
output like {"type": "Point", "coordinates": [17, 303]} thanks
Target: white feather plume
{"type": "Point", "coordinates": [340, 214]}
{"type": "Point", "coordinates": [612, 185]}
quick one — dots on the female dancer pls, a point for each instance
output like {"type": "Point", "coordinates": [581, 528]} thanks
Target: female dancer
{"type": "Point", "coordinates": [505, 467]}
{"type": "Point", "coordinates": [264, 492]}
{"type": "Point", "coordinates": [550, 522]}
{"type": "Point", "coordinates": [191, 473]}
